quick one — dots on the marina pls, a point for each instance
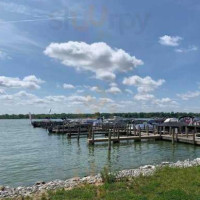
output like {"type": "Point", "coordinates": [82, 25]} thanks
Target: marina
{"type": "Point", "coordinates": [29, 154]}
{"type": "Point", "coordinates": [183, 130]}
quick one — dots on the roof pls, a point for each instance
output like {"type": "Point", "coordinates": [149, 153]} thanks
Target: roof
{"type": "Point", "coordinates": [173, 124]}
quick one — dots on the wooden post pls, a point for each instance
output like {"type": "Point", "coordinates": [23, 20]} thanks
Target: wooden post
{"type": "Point", "coordinates": [177, 132]}
{"type": "Point", "coordinates": [163, 130]}
{"type": "Point", "coordinates": [92, 135]}
{"type": "Point", "coordinates": [69, 128]}
{"type": "Point", "coordinates": [134, 130]}
{"type": "Point", "coordinates": [114, 130]}
{"type": "Point", "coordinates": [147, 129]}
{"type": "Point", "coordinates": [157, 130]}
{"type": "Point", "coordinates": [63, 127]}
{"type": "Point", "coordinates": [109, 140]}
{"type": "Point", "coordinates": [172, 130]}
{"type": "Point", "coordinates": [79, 130]}
{"type": "Point", "coordinates": [154, 130]}
{"type": "Point", "coordinates": [160, 130]}
{"type": "Point", "coordinates": [194, 133]}
{"type": "Point", "coordinates": [118, 136]}
{"type": "Point", "coordinates": [186, 131]}
{"type": "Point", "coordinates": [139, 130]}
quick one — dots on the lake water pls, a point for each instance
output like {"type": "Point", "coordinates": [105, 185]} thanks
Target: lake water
{"type": "Point", "coordinates": [28, 155]}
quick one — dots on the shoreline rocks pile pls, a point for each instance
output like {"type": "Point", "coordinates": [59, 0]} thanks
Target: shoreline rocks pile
{"type": "Point", "coordinates": [9, 192]}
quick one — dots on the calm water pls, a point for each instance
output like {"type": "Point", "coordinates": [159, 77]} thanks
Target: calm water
{"type": "Point", "coordinates": [28, 155]}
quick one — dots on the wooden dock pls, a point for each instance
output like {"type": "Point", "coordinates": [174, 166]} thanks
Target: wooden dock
{"type": "Point", "coordinates": [122, 138]}
{"type": "Point", "coordinates": [182, 139]}
{"type": "Point", "coordinates": [173, 133]}
{"type": "Point", "coordinates": [114, 133]}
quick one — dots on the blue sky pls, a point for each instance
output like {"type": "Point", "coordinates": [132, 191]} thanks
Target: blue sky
{"type": "Point", "coordinates": [99, 56]}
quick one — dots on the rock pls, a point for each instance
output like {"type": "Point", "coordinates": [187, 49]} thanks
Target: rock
{"type": "Point", "coordinates": [165, 163]}
{"type": "Point", "coordinates": [76, 179]}
{"type": "Point", "coordinates": [148, 167]}
{"type": "Point", "coordinates": [2, 188]}
{"type": "Point", "coordinates": [40, 183]}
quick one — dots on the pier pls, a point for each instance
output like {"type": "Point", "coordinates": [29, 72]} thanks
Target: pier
{"type": "Point", "coordinates": [176, 132]}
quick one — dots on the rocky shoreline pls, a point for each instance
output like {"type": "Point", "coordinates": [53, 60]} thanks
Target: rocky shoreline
{"type": "Point", "coordinates": [39, 187]}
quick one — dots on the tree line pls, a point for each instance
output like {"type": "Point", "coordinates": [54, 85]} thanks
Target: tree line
{"type": "Point", "coordinates": [97, 115]}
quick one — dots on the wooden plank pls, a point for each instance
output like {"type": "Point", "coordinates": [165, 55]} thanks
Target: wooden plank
{"type": "Point", "coordinates": [124, 138]}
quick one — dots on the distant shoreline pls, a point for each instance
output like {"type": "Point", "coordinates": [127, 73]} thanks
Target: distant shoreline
{"type": "Point", "coordinates": [96, 115]}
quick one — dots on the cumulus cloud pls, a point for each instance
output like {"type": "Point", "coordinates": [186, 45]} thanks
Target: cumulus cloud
{"type": "Point", "coordinates": [17, 96]}
{"type": "Point", "coordinates": [105, 100]}
{"type": "Point", "coordinates": [80, 91]}
{"type": "Point", "coordinates": [83, 99]}
{"type": "Point", "coordinates": [98, 58]}
{"type": "Point", "coordinates": [152, 100]}
{"type": "Point", "coordinates": [189, 95]}
{"type": "Point", "coordinates": [144, 97]}
{"type": "Point", "coordinates": [144, 85]}
{"type": "Point", "coordinates": [29, 82]}
{"type": "Point", "coordinates": [129, 91]}
{"type": "Point", "coordinates": [114, 90]}
{"type": "Point", "coordinates": [68, 86]}
{"type": "Point", "coordinates": [96, 89]}
{"type": "Point", "coordinates": [113, 84]}
{"type": "Point", "coordinates": [2, 91]}
{"type": "Point", "coordinates": [164, 102]}
{"type": "Point", "coordinates": [170, 40]}
{"type": "Point", "coordinates": [186, 50]}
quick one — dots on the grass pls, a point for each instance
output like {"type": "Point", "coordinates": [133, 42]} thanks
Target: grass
{"type": "Point", "coordinates": [166, 184]}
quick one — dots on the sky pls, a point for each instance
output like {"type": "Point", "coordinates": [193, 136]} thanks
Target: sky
{"type": "Point", "coordinates": [99, 56]}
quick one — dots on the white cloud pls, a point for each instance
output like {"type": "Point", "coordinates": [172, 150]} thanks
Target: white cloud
{"type": "Point", "coordinates": [189, 95]}
{"type": "Point", "coordinates": [22, 9]}
{"type": "Point", "coordinates": [144, 85]}
{"type": "Point", "coordinates": [186, 50]}
{"type": "Point", "coordinates": [113, 84]}
{"type": "Point", "coordinates": [129, 91]}
{"type": "Point", "coordinates": [114, 90]}
{"type": "Point", "coordinates": [152, 100]}
{"type": "Point", "coordinates": [96, 89]}
{"type": "Point", "coordinates": [17, 96]}
{"type": "Point", "coordinates": [83, 99]}
{"type": "Point", "coordinates": [105, 100]}
{"type": "Point", "coordinates": [170, 40]}
{"type": "Point", "coordinates": [103, 75]}
{"type": "Point", "coordinates": [29, 82]}
{"type": "Point", "coordinates": [98, 58]}
{"type": "Point", "coordinates": [80, 91]}
{"type": "Point", "coordinates": [164, 102]}
{"type": "Point", "coordinates": [68, 86]}
{"type": "Point", "coordinates": [144, 97]}
{"type": "Point", "coordinates": [2, 91]}
{"type": "Point", "coordinates": [33, 79]}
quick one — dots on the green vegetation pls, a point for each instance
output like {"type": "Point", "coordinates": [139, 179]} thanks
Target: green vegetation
{"type": "Point", "coordinates": [108, 176]}
{"type": "Point", "coordinates": [165, 184]}
{"type": "Point", "coordinates": [95, 115]}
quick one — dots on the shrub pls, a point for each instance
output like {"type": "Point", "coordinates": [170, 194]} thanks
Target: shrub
{"type": "Point", "coordinates": [108, 176]}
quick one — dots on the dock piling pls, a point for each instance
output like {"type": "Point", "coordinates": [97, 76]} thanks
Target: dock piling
{"type": "Point", "coordinates": [109, 142]}
{"type": "Point", "coordinates": [186, 131]}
